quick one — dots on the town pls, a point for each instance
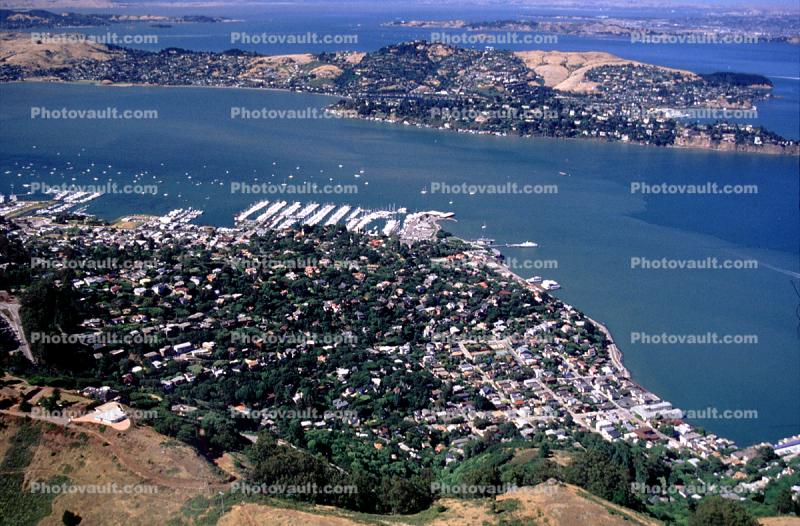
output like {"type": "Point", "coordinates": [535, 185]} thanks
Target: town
{"type": "Point", "coordinates": [486, 91]}
{"type": "Point", "coordinates": [417, 347]}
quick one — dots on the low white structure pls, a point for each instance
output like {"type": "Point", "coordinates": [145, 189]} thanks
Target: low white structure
{"type": "Point", "coordinates": [658, 409]}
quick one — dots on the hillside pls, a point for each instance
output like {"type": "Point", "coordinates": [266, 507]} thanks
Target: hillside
{"type": "Point", "coordinates": [566, 71]}
{"type": "Point", "coordinates": [164, 472]}
{"type": "Point", "coordinates": [555, 505]}
{"type": "Point", "coordinates": [18, 49]}
{"type": "Point", "coordinates": [173, 480]}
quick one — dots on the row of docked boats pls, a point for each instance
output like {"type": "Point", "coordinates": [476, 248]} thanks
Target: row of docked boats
{"type": "Point", "coordinates": [280, 214]}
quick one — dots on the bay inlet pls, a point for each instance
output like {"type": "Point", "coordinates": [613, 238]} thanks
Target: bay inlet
{"type": "Point", "coordinates": [592, 227]}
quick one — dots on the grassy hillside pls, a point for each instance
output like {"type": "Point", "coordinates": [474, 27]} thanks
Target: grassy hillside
{"type": "Point", "coordinates": [185, 488]}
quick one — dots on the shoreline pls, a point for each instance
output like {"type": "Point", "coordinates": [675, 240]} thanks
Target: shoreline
{"type": "Point", "coordinates": [595, 140]}
{"type": "Point", "coordinates": [614, 353]}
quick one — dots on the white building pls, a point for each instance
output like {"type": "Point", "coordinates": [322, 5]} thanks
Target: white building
{"type": "Point", "coordinates": [658, 409]}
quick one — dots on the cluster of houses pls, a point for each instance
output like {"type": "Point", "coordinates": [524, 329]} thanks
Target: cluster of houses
{"type": "Point", "coordinates": [652, 86]}
{"type": "Point", "coordinates": [550, 372]}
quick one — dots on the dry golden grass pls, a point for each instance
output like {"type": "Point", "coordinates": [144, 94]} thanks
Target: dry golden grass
{"type": "Point", "coordinates": [567, 505]}
{"type": "Point", "coordinates": [566, 71]}
{"type": "Point", "coordinates": [553, 505]}
{"type": "Point", "coordinates": [463, 512]}
{"type": "Point", "coordinates": [780, 521]}
{"type": "Point", "coordinates": [19, 49]}
{"type": "Point", "coordinates": [255, 514]}
{"type": "Point", "coordinates": [160, 477]}
{"type": "Point", "coordinates": [283, 65]}
{"type": "Point", "coordinates": [353, 57]}
{"type": "Point", "coordinates": [87, 463]}
{"type": "Point", "coordinates": [327, 71]}
{"type": "Point", "coordinates": [165, 475]}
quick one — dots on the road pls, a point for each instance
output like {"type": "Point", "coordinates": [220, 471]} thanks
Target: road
{"type": "Point", "coordinates": [10, 311]}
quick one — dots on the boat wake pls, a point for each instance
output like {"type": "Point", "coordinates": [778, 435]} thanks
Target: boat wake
{"type": "Point", "coordinates": [787, 272]}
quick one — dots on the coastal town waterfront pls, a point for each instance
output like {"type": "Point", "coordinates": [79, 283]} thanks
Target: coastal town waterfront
{"type": "Point", "coordinates": [332, 262]}
{"type": "Point", "coordinates": [591, 388]}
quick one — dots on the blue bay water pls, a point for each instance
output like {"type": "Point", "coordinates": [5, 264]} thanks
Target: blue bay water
{"type": "Point", "coordinates": [778, 61]}
{"type": "Point", "coordinates": [592, 227]}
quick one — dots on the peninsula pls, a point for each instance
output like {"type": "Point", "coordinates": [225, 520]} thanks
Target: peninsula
{"type": "Point", "coordinates": [532, 93]}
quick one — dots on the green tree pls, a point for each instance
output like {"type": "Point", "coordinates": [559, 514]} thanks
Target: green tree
{"type": "Point", "coordinates": [544, 451]}
{"type": "Point", "coordinates": [600, 474]}
{"type": "Point", "coordinates": [52, 309]}
{"type": "Point", "coordinates": [783, 501]}
{"type": "Point", "coordinates": [71, 519]}
{"type": "Point", "coordinates": [716, 511]}
{"type": "Point", "coordinates": [401, 495]}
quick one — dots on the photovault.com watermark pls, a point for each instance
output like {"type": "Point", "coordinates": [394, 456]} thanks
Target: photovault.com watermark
{"type": "Point", "coordinates": [107, 113]}
{"type": "Point", "coordinates": [708, 188]}
{"type": "Point", "coordinates": [646, 37]}
{"type": "Point", "coordinates": [530, 264]}
{"type": "Point", "coordinates": [91, 264]}
{"type": "Point", "coordinates": [110, 488]}
{"type": "Point", "coordinates": [714, 413]}
{"type": "Point", "coordinates": [704, 113]}
{"type": "Point", "coordinates": [109, 187]}
{"type": "Point", "coordinates": [265, 263]}
{"type": "Point", "coordinates": [309, 488]}
{"type": "Point", "coordinates": [308, 113]}
{"type": "Point", "coordinates": [509, 188]}
{"type": "Point", "coordinates": [309, 37]}
{"type": "Point", "coordinates": [687, 489]}
{"type": "Point", "coordinates": [105, 38]}
{"type": "Point", "coordinates": [472, 114]}
{"type": "Point", "coordinates": [67, 413]}
{"type": "Point", "coordinates": [294, 338]}
{"type": "Point", "coordinates": [492, 39]}
{"type": "Point", "coordinates": [307, 188]}
{"type": "Point", "coordinates": [438, 488]}
{"type": "Point", "coordinates": [708, 263]}
{"type": "Point", "coordinates": [294, 414]}
{"type": "Point", "coordinates": [708, 338]}
{"type": "Point", "coordinates": [102, 338]}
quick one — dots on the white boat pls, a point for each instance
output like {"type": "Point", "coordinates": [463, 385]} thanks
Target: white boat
{"type": "Point", "coordinates": [339, 214]}
{"type": "Point", "coordinates": [286, 212]}
{"type": "Point", "coordinates": [307, 210]}
{"type": "Point", "coordinates": [316, 218]}
{"type": "Point", "coordinates": [549, 284]}
{"type": "Point", "coordinates": [391, 227]}
{"type": "Point", "coordinates": [250, 211]}
{"type": "Point", "coordinates": [272, 210]}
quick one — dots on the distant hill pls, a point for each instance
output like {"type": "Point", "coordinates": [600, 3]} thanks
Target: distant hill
{"type": "Point", "coordinates": [39, 18]}
{"type": "Point", "coordinates": [736, 79]}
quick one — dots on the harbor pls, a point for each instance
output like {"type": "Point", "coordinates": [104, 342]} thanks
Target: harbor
{"type": "Point", "coordinates": [280, 215]}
